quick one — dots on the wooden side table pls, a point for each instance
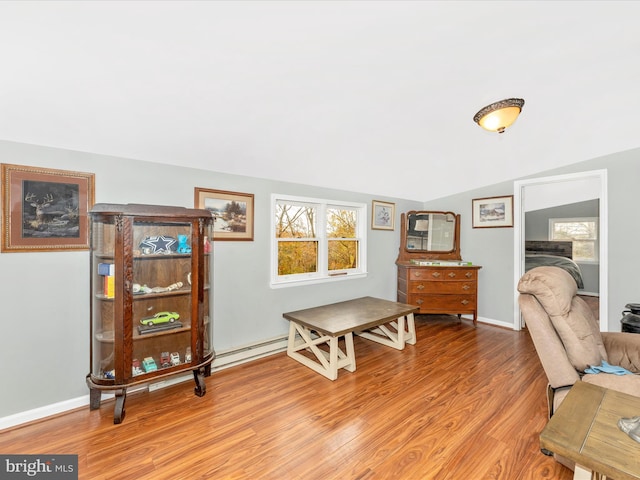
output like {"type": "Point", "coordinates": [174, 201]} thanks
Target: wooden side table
{"type": "Point", "coordinates": [585, 429]}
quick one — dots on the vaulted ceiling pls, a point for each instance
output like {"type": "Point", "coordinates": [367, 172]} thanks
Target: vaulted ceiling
{"type": "Point", "coordinates": [369, 96]}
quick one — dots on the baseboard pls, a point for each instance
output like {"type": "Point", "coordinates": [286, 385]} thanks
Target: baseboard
{"type": "Point", "coordinates": [224, 359]}
{"type": "Point", "coordinates": [497, 323]}
{"type": "Point", "coordinates": [43, 412]}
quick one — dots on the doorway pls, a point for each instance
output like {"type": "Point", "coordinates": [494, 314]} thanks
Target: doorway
{"type": "Point", "coordinates": [545, 192]}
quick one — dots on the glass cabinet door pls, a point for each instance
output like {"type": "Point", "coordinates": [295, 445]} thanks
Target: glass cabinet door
{"type": "Point", "coordinates": [102, 304]}
{"type": "Point", "coordinates": [161, 287]}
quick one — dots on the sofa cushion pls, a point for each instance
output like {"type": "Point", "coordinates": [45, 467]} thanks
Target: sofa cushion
{"type": "Point", "coordinates": [571, 317]}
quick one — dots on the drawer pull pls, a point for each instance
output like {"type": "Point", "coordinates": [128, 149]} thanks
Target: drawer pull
{"type": "Point", "coordinates": [468, 274]}
{"type": "Point", "coordinates": [417, 274]}
{"type": "Point", "coordinates": [435, 274]}
{"type": "Point", "coordinates": [420, 287]}
{"type": "Point", "coordinates": [419, 301]}
{"type": "Point", "coordinates": [465, 302]}
{"type": "Point", "coordinates": [452, 274]}
{"type": "Point", "coordinates": [466, 287]}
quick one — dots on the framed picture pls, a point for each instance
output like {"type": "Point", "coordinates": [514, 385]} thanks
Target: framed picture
{"type": "Point", "coordinates": [45, 209]}
{"type": "Point", "coordinates": [232, 213]}
{"type": "Point", "coordinates": [383, 215]}
{"type": "Point", "coordinates": [493, 212]}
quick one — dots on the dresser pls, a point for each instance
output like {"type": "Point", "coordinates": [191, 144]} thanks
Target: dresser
{"type": "Point", "coordinates": [439, 289]}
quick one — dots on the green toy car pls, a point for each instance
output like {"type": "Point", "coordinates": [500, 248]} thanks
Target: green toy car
{"type": "Point", "coordinates": [160, 317]}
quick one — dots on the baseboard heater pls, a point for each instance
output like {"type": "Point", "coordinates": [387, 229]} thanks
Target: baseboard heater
{"type": "Point", "coordinates": [254, 351]}
{"type": "Point", "coordinates": [230, 358]}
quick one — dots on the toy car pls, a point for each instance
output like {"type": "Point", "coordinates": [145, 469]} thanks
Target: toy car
{"type": "Point", "coordinates": [135, 367]}
{"type": "Point", "coordinates": [165, 360]}
{"type": "Point", "coordinates": [160, 317]}
{"type": "Point", "coordinates": [149, 364]}
{"type": "Point", "coordinates": [175, 358]}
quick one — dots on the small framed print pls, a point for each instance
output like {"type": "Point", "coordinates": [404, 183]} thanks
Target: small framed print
{"type": "Point", "coordinates": [493, 212]}
{"type": "Point", "coordinates": [45, 209]}
{"type": "Point", "coordinates": [232, 213]}
{"type": "Point", "coordinates": [383, 215]}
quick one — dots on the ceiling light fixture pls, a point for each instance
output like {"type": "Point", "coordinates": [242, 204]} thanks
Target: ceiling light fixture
{"type": "Point", "coordinates": [499, 115]}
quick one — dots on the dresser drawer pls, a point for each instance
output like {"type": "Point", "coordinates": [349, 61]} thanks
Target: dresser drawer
{"type": "Point", "coordinates": [442, 274]}
{"type": "Point", "coordinates": [442, 287]}
{"type": "Point", "coordinates": [436, 303]}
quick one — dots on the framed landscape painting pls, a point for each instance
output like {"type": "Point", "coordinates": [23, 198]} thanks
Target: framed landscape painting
{"type": "Point", "coordinates": [232, 213]}
{"type": "Point", "coordinates": [493, 212]}
{"type": "Point", "coordinates": [45, 209]}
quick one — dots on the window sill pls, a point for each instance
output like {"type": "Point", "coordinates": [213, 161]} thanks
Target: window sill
{"type": "Point", "coordinates": [315, 280]}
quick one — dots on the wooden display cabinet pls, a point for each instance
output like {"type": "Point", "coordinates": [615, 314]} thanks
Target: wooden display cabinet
{"type": "Point", "coordinates": [150, 297]}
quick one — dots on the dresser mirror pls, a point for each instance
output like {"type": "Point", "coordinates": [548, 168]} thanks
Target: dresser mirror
{"type": "Point", "coordinates": [429, 235]}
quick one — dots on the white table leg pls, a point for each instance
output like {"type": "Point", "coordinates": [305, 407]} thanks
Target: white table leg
{"type": "Point", "coordinates": [325, 363]}
{"type": "Point", "coordinates": [582, 473]}
{"type": "Point", "coordinates": [396, 335]}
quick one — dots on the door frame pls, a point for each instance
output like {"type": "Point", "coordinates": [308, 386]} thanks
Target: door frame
{"type": "Point", "coordinates": [519, 189]}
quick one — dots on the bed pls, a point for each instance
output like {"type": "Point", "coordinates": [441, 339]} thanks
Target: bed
{"type": "Point", "coordinates": [540, 253]}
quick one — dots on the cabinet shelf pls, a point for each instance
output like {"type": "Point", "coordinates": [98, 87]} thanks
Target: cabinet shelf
{"type": "Point", "coordinates": [108, 337]}
{"type": "Point", "coordinates": [146, 296]}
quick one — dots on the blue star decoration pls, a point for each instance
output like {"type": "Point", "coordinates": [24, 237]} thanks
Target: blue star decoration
{"type": "Point", "coordinates": [159, 244]}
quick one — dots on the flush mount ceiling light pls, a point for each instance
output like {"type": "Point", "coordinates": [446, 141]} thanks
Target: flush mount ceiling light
{"type": "Point", "coordinates": [499, 115]}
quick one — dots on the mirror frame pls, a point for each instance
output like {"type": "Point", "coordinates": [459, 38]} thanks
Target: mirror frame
{"type": "Point", "coordinates": [406, 255]}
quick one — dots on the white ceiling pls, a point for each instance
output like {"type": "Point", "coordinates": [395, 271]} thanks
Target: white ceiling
{"type": "Point", "coordinates": [370, 96]}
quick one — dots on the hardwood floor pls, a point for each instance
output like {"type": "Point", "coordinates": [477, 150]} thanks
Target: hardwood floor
{"type": "Point", "coordinates": [464, 403]}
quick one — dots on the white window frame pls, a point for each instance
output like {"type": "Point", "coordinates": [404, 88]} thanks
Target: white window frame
{"type": "Point", "coordinates": [322, 275]}
{"type": "Point", "coordinates": [553, 221]}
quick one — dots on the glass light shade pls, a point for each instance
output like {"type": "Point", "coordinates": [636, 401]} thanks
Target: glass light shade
{"type": "Point", "coordinates": [499, 115]}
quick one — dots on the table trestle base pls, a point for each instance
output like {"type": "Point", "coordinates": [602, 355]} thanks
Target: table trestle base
{"type": "Point", "coordinates": [394, 334]}
{"type": "Point", "coordinates": [327, 363]}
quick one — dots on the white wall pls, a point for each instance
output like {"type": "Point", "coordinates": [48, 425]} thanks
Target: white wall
{"type": "Point", "coordinates": [45, 295]}
{"type": "Point", "coordinates": [493, 247]}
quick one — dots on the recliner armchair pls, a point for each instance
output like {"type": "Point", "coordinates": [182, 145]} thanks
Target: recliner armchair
{"type": "Point", "coordinates": [567, 336]}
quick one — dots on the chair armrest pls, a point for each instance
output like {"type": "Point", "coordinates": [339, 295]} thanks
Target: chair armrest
{"type": "Point", "coordinates": [623, 349]}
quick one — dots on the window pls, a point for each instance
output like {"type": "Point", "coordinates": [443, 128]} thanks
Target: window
{"type": "Point", "coordinates": [582, 231]}
{"type": "Point", "coordinates": [316, 240]}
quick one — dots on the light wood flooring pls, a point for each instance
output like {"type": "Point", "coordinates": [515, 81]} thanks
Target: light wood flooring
{"type": "Point", "coordinates": [464, 403]}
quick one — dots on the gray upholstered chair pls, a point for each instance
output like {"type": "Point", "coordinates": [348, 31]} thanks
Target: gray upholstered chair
{"type": "Point", "coordinates": [567, 336]}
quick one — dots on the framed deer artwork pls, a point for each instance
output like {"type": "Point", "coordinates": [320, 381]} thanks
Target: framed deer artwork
{"type": "Point", "coordinates": [45, 209]}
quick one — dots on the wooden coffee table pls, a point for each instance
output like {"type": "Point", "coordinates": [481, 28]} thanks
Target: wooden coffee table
{"type": "Point", "coordinates": [585, 429]}
{"type": "Point", "coordinates": [314, 333]}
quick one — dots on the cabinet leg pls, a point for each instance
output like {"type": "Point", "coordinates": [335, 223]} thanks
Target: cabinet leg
{"type": "Point", "coordinates": [119, 412]}
{"type": "Point", "coordinates": [94, 398]}
{"type": "Point", "coordinates": [201, 388]}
